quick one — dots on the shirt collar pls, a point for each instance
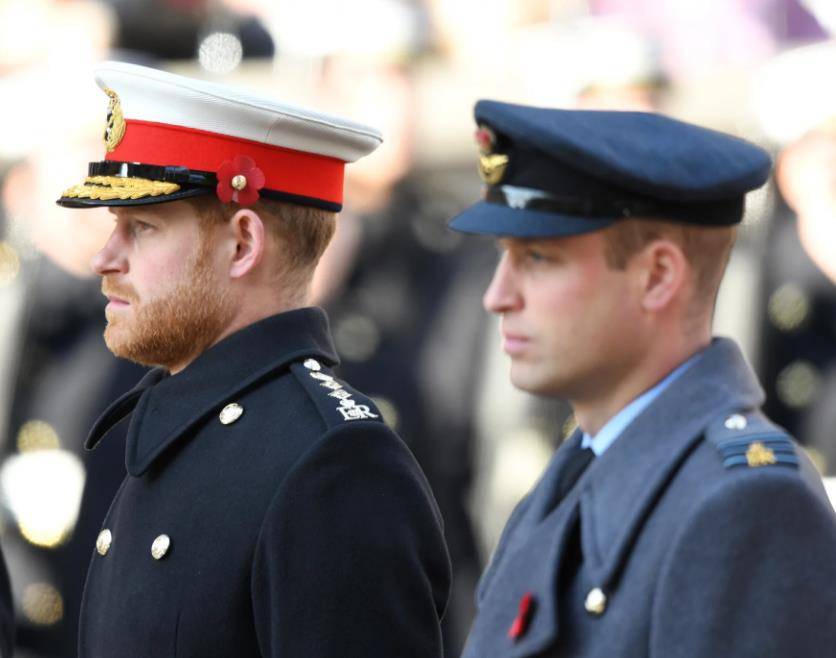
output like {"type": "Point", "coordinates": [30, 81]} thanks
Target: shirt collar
{"type": "Point", "coordinates": [613, 428]}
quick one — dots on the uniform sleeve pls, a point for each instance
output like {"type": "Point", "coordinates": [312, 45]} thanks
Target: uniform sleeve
{"type": "Point", "coordinates": [351, 560]}
{"type": "Point", "coordinates": [753, 575]}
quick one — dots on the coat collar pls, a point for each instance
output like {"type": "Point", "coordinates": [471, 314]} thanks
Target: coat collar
{"type": "Point", "coordinates": [612, 499]}
{"type": "Point", "coordinates": [622, 485]}
{"type": "Point", "coordinates": [164, 406]}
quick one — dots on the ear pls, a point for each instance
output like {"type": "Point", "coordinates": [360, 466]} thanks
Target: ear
{"type": "Point", "coordinates": [664, 270]}
{"type": "Point", "coordinates": [249, 237]}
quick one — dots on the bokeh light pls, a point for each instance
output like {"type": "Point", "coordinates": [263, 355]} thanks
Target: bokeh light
{"type": "Point", "coordinates": [220, 53]}
{"type": "Point", "coordinates": [42, 489]}
{"type": "Point", "coordinates": [42, 604]}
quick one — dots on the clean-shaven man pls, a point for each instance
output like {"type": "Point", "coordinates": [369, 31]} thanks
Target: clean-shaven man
{"type": "Point", "coordinates": [677, 521]}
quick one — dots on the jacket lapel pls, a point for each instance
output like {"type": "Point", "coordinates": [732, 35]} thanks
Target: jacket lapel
{"type": "Point", "coordinates": [612, 499]}
{"type": "Point", "coordinates": [122, 407]}
{"type": "Point", "coordinates": [529, 567]}
{"type": "Point", "coordinates": [625, 482]}
{"type": "Point", "coordinates": [166, 407]}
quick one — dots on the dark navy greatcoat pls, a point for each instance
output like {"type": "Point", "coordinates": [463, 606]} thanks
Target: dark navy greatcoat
{"type": "Point", "coordinates": [706, 530]}
{"type": "Point", "coordinates": [296, 523]}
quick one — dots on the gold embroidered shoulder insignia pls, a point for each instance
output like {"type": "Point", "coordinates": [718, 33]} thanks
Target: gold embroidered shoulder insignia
{"type": "Point", "coordinates": [759, 455]}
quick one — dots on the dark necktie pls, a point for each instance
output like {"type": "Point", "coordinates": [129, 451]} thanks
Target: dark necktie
{"type": "Point", "coordinates": [572, 469]}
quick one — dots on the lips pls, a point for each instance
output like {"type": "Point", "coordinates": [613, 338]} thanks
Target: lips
{"type": "Point", "coordinates": [514, 344]}
{"type": "Point", "coordinates": [117, 297]}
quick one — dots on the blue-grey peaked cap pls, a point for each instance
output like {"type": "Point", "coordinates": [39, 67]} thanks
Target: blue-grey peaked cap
{"type": "Point", "coordinates": [553, 172]}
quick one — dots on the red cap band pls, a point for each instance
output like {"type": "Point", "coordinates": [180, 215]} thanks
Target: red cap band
{"type": "Point", "coordinates": [285, 170]}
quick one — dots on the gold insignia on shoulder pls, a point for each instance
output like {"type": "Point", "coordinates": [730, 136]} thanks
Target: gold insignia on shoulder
{"type": "Point", "coordinates": [492, 165]}
{"type": "Point", "coordinates": [759, 455]}
{"type": "Point", "coordinates": [115, 129]}
{"type": "Point", "coordinates": [107, 188]}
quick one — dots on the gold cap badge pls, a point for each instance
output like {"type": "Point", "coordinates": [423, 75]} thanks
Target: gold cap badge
{"type": "Point", "coordinates": [492, 165]}
{"type": "Point", "coordinates": [115, 129]}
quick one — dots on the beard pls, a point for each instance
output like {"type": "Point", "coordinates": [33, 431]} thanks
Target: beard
{"type": "Point", "coordinates": [173, 329]}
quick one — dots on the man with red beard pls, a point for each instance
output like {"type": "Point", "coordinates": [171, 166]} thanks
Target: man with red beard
{"type": "Point", "coordinates": [268, 510]}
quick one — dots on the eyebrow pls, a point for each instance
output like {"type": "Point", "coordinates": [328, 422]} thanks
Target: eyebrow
{"type": "Point", "coordinates": [128, 213]}
{"type": "Point", "coordinates": [527, 242]}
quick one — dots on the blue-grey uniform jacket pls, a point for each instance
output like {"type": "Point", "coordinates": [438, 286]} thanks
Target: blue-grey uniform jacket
{"type": "Point", "coordinates": [703, 532]}
{"type": "Point", "coordinates": [267, 512]}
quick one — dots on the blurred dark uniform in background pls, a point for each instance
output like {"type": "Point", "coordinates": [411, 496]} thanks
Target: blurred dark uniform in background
{"type": "Point", "coordinates": [798, 335]}
{"type": "Point", "coordinates": [62, 376]}
{"type": "Point", "coordinates": [63, 379]}
{"type": "Point", "coordinates": [798, 341]}
{"type": "Point", "coordinates": [176, 29]}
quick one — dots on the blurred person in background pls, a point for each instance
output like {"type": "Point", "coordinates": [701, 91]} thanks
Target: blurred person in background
{"type": "Point", "coordinates": [56, 493]}
{"type": "Point", "coordinates": [615, 231]}
{"type": "Point", "coordinates": [797, 350]}
{"type": "Point", "coordinates": [180, 29]}
{"type": "Point", "coordinates": [799, 334]}
{"type": "Point", "coordinates": [807, 179]}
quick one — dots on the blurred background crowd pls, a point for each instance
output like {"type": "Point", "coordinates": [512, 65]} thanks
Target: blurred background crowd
{"type": "Point", "coordinates": [402, 291]}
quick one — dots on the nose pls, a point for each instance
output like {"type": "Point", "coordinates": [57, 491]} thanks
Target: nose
{"type": "Point", "coordinates": [502, 294]}
{"type": "Point", "coordinates": [110, 259]}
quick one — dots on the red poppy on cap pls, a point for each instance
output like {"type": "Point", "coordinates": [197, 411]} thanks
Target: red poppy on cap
{"type": "Point", "coordinates": [239, 180]}
{"type": "Point", "coordinates": [485, 139]}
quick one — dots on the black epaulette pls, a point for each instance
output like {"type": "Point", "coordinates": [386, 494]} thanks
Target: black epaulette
{"type": "Point", "coordinates": [336, 401]}
{"type": "Point", "coordinates": [751, 440]}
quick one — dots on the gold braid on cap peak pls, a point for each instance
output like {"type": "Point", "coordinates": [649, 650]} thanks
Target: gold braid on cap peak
{"type": "Point", "coordinates": [105, 188]}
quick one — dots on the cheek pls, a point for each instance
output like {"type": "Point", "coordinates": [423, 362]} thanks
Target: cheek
{"type": "Point", "coordinates": [155, 278]}
{"type": "Point", "coordinates": [591, 305]}
{"type": "Point", "coordinates": [564, 299]}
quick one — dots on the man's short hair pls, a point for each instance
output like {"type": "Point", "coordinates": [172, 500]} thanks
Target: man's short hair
{"type": "Point", "coordinates": [303, 232]}
{"type": "Point", "coordinates": [707, 249]}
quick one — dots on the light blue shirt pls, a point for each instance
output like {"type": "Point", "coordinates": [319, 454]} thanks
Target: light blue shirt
{"type": "Point", "coordinates": [613, 428]}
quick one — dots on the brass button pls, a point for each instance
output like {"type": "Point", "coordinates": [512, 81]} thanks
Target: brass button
{"type": "Point", "coordinates": [103, 541]}
{"type": "Point", "coordinates": [596, 602]}
{"type": "Point", "coordinates": [230, 413]}
{"type": "Point", "coordinates": [160, 547]}
{"type": "Point", "coordinates": [736, 422]}
{"type": "Point", "coordinates": [312, 364]}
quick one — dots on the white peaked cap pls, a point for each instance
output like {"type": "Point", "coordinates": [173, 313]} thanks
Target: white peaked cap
{"type": "Point", "coordinates": [167, 131]}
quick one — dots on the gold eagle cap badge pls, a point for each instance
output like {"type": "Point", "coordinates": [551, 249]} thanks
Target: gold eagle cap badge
{"type": "Point", "coordinates": [492, 165]}
{"type": "Point", "coordinates": [115, 128]}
